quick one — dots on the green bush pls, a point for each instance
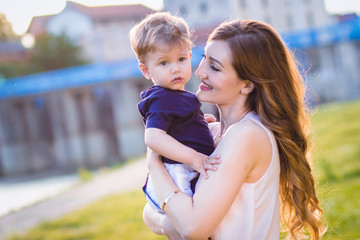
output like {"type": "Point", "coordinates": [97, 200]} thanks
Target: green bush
{"type": "Point", "coordinates": [85, 174]}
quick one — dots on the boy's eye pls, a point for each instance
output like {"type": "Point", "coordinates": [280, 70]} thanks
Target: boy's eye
{"type": "Point", "coordinates": [182, 59]}
{"type": "Point", "coordinates": [163, 63]}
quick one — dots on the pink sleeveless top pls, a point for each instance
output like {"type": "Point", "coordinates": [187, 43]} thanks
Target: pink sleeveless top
{"type": "Point", "coordinates": [255, 213]}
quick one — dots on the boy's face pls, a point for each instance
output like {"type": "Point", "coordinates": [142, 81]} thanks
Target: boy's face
{"type": "Point", "coordinates": [168, 66]}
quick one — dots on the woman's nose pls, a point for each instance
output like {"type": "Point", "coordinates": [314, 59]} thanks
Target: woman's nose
{"type": "Point", "coordinates": [199, 72]}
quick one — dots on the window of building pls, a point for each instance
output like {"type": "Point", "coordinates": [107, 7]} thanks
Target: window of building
{"type": "Point", "coordinates": [42, 124]}
{"type": "Point", "coordinates": [310, 19]}
{"type": "Point", "coordinates": [203, 7]}
{"type": "Point", "coordinates": [314, 60]}
{"type": "Point", "coordinates": [79, 99]}
{"type": "Point", "coordinates": [10, 115]}
{"type": "Point", "coordinates": [21, 131]}
{"type": "Point", "coordinates": [267, 19]}
{"type": "Point", "coordinates": [287, 2]}
{"type": "Point", "coordinates": [242, 3]}
{"type": "Point", "coordinates": [183, 10]}
{"type": "Point", "coordinates": [103, 107]}
{"type": "Point", "coordinates": [265, 3]}
{"type": "Point", "coordinates": [357, 46]}
{"type": "Point", "coordinates": [289, 22]}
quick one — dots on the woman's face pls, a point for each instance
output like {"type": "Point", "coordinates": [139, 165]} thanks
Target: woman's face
{"type": "Point", "coordinates": [219, 82]}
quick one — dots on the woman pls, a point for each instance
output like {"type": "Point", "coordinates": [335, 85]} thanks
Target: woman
{"type": "Point", "coordinates": [262, 139]}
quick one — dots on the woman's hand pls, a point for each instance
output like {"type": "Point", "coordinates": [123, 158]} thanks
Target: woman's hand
{"type": "Point", "coordinates": [168, 230]}
{"type": "Point", "coordinates": [159, 223]}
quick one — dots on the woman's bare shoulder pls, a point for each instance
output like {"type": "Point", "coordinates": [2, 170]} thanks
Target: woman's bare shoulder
{"type": "Point", "coordinates": [248, 129]}
{"type": "Point", "coordinates": [242, 138]}
{"type": "Point", "coordinates": [254, 145]}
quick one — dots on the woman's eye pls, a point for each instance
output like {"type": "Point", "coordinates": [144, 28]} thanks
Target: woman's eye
{"type": "Point", "coordinates": [214, 68]}
{"type": "Point", "coordinates": [163, 63]}
{"type": "Point", "coordinates": [182, 59]}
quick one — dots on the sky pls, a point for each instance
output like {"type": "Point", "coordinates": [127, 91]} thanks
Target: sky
{"type": "Point", "coordinates": [20, 12]}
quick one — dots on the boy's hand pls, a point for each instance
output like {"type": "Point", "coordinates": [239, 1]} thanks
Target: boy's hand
{"type": "Point", "coordinates": [209, 118]}
{"type": "Point", "coordinates": [203, 163]}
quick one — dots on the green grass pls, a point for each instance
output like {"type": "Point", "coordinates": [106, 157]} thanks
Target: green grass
{"type": "Point", "coordinates": [115, 217]}
{"type": "Point", "coordinates": [336, 162]}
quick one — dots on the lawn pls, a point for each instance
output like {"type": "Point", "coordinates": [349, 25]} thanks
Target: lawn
{"type": "Point", "coordinates": [336, 153]}
{"type": "Point", "coordinates": [336, 161]}
{"type": "Point", "coordinates": [117, 217]}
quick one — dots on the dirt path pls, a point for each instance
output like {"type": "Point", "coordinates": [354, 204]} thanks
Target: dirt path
{"type": "Point", "coordinates": [130, 177]}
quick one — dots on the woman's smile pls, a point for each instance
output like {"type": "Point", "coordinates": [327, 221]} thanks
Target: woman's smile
{"type": "Point", "coordinates": [205, 87]}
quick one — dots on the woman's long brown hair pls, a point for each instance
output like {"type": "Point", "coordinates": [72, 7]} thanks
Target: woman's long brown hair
{"type": "Point", "coordinates": [259, 55]}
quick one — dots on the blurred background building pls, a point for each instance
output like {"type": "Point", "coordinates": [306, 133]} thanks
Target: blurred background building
{"type": "Point", "coordinates": [101, 31]}
{"type": "Point", "coordinates": [284, 15]}
{"type": "Point", "coordinates": [86, 116]}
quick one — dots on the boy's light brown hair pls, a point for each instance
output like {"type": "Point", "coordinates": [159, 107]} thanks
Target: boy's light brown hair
{"type": "Point", "coordinates": [156, 29]}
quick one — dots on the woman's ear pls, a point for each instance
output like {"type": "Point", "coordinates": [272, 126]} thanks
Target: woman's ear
{"type": "Point", "coordinates": [248, 87]}
{"type": "Point", "coordinates": [144, 70]}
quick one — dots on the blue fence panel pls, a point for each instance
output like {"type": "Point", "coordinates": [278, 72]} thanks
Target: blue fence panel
{"type": "Point", "coordinates": [69, 78]}
{"type": "Point", "coordinates": [332, 34]}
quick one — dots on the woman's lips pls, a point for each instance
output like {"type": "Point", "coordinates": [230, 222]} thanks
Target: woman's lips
{"type": "Point", "coordinates": [205, 87]}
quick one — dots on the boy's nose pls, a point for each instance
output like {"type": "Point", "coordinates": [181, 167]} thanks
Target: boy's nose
{"type": "Point", "coordinates": [174, 68]}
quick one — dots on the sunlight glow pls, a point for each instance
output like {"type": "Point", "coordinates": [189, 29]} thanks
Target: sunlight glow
{"type": "Point", "coordinates": [21, 12]}
{"type": "Point", "coordinates": [28, 40]}
{"type": "Point", "coordinates": [343, 6]}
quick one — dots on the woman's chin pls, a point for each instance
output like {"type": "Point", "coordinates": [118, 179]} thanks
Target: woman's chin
{"type": "Point", "coordinates": [198, 94]}
{"type": "Point", "coordinates": [203, 96]}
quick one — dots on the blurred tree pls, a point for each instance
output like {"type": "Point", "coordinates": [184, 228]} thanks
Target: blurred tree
{"type": "Point", "coordinates": [54, 52]}
{"type": "Point", "coordinates": [13, 69]}
{"type": "Point", "coordinates": [6, 31]}
{"type": "Point", "coordinates": [49, 53]}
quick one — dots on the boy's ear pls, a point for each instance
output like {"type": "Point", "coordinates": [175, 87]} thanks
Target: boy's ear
{"type": "Point", "coordinates": [190, 54]}
{"type": "Point", "coordinates": [248, 88]}
{"type": "Point", "coordinates": [144, 70]}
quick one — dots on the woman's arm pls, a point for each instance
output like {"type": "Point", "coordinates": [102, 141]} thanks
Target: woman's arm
{"type": "Point", "coordinates": [191, 216]}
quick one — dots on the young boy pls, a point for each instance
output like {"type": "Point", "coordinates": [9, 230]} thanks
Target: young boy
{"type": "Point", "coordinates": [174, 124]}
